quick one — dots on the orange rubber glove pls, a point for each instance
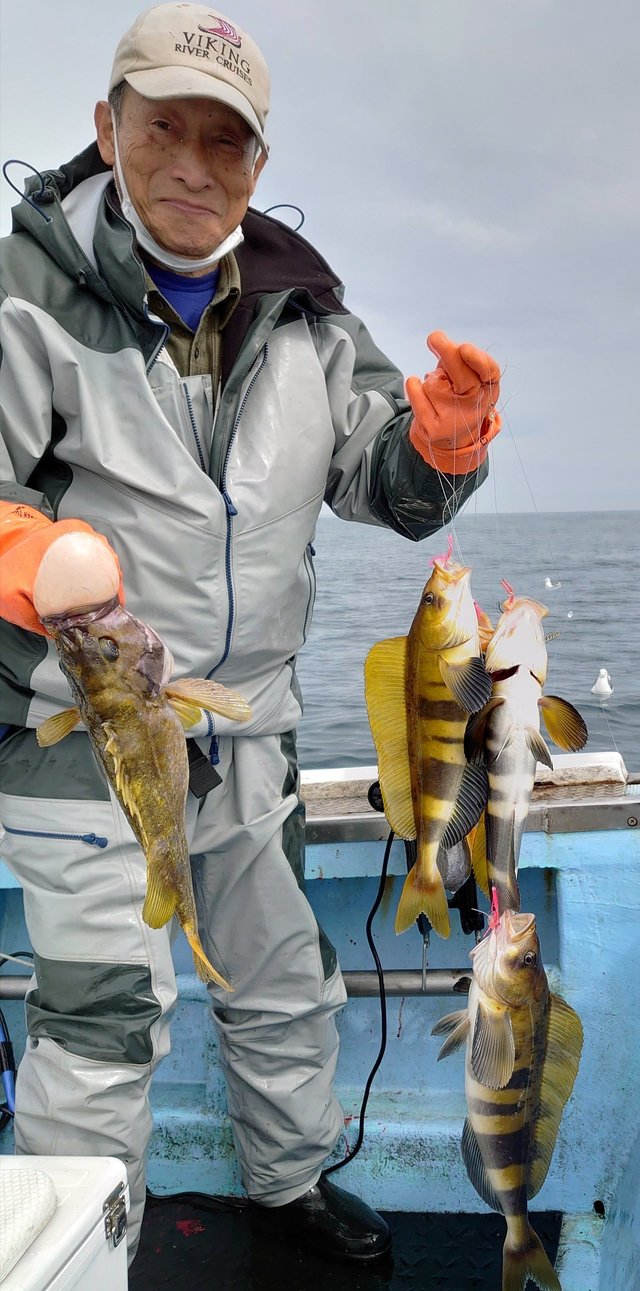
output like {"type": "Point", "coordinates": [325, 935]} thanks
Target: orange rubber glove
{"type": "Point", "coordinates": [454, 407]}
{"type": "Point", "coordinates": [52, 567]}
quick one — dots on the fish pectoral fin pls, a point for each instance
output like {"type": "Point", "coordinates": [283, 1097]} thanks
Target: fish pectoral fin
{"type": "Point", "coordinates": [57, 727]}
{"type": "Point", "coordinates": [560, 1068]}
{"type": "Point", "coordinates": [189, 714]}
{"type": "Point", "coordinates": [537, 747]}
{"type": "Point", "coordinates": [469, 805]}
{"type": "Point", "coordinates": [493, 1050]}
{"type": "Point", "coordinates": [476, 731]}
{"type": "Point", "coordinates": [456, 1028]}
{"type": "Point", "coordinates": [563, 722]}
{"type": "Point", "coordinates": [472, 1158]}
{"type": "Point", "coordinates": [199, 693]}
{"type": "Point", "coordinates": [479, 861]}
{"type": "Point", "coordinates": [468, 682]}
{"type": "Point", "coordinates": [384, 688]}
{"type": "Point", "coordinates": [423, 895]}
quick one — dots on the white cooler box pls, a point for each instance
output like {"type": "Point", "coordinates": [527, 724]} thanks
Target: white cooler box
{"type": "Point", "coordinates": [63, 1224]}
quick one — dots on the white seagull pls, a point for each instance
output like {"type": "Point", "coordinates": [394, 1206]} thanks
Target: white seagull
{"type": "Point", "coordinates": [602, 684]}
{"type": "Point", "coordinates": [548, 583]}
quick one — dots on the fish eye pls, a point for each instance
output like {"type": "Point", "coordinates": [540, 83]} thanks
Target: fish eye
{"type": "Point", "coordinates": [108, 648]}
{"type": "Point", "coordinates": [530, 959]}
{"type": "Point", "coordinates": [428, 598]}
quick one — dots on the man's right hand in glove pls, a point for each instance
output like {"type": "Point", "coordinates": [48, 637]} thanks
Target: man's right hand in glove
{"type": "Point", "coordinates": [52, 567]}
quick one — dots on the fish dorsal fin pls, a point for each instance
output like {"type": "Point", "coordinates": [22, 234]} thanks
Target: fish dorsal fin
{"type": "Point", "coordinates": [472, 1158]}
{"type": "Point", "coordinates": [537, 747]}
{"type": "Point", "coordinates": [561, 1062]}
{"type": "Point", "coordinates": [468, 682]}
{"type": "Point", "coordinates": [57, 727]}
{"type": "Point", "coordinates": [385, 694]}
{"type": "Point", "coordinates": [493, 1050]}
{"type": "Point", "coordinates": [199, 692]}
{"type": "Point", "coordinates": [476, 732]}
{"type": "Point", "coordinates": [456, 1028]}
{"type": "Point", "coordinates": [479, 862]}
{"type": "Point", "coordinates": [469, 805]}
{"type": "Point", "coordinates": [563, 722]}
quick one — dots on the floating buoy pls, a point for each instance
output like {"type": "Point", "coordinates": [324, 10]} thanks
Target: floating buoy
{"type": "Point", "coordinates": [549, 583]}
{"type": "Point", "coordinates": [602, 684]}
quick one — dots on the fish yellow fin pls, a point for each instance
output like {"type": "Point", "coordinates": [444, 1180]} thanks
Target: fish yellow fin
{"type": "Point", "coordinates": [160, 901]}
{"type": "Point", "coordinates": [55, 728]}
{"type": "Point", "coordinates": [210, 695]}
{"type": "Point", "coordinates": [206, 972]}
{"type": "Point", "coordinates": [561, 1062]}
{"type": "Point", "coordinates": [537, 747]}
{"type": "Point", "coordinates": [123, 787]}
{"type": "Point", "coordinates": [493, 1050]}
{"type": "Point", "coordinates": [384, 686]}
{"type": "Point", "coordinates": [519, 1265]}
{"type": "Point", "coordinates": [479, 862]}
{"type": "Point", "coordinates": [189, 714]}
{"type": "Point", "coordinates": [563, 722]}
{"type": "Point", "coordinates": [421, 895]}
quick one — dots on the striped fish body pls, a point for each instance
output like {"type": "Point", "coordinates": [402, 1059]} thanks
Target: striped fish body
{"type": "Point", "coordinates": [420, 690]}
{"type": "Point", "coordinates": [523, 1048]}
{"type": "Point", "coordinates": [511, 765]}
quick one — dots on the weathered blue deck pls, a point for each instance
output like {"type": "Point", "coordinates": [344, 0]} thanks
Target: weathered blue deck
{"type": "Point", "coordinates": [580, 875]}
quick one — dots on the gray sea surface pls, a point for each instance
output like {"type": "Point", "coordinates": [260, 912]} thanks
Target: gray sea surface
{"type": "Point", "coordinates": [369, 582]}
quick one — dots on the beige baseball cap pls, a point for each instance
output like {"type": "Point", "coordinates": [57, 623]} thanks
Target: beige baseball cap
{"type": "Point", "coordinates": [188, 51]}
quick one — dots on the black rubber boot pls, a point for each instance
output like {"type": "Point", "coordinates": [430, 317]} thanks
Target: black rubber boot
{"type": "Point", "coordinates": [329, 1220]}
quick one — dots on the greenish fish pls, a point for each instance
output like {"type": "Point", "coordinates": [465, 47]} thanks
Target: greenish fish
{"type": "Point", "coordinates": [119, 673]}
{"type": "Point", "coordinates": [523, 1047]}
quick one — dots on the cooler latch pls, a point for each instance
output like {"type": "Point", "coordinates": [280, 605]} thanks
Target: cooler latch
{"type": "Point", "coordinates": [115, 1215]}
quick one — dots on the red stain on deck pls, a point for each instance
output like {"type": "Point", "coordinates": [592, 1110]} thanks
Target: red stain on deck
{"type": "Point", "coordinates": [189, 1227]}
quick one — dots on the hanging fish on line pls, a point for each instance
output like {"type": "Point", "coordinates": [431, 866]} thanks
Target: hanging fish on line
{"type": "Point", "coordinates": [118, 670]}
{"type": "Point", "coordinates": [523, 1047]}
{"type": "Point", "coordinates": [419, 691]}
{"type": "Point", "coordinates": [505, 737]}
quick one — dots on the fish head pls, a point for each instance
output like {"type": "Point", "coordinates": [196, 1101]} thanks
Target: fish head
{"type": "Point", "coordinates": [507, 963]}
{"type": "Point", "coordinates": [110, 648]}
{"type": "Point", "coordinates": [518, 640]}
{"type": "Point", "coordinates": [446, 615]}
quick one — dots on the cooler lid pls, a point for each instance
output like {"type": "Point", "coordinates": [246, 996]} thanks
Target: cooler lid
{"type": "Point", "coordinates": [27, 1202]}
{"type": "Point", "coordinates": [81, 1187]}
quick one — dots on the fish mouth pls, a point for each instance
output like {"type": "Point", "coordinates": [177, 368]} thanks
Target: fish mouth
{"type": "Point", "coordinates": [516, 925]}
{"type": "Point", "coordinates": [453, 572]}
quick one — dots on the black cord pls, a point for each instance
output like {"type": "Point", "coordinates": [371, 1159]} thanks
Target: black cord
{"type": "Point", "coordinates": [383, 1013]}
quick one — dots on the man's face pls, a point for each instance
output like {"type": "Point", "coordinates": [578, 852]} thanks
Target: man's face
{"type": "Point", "coordinates": [188, 165]}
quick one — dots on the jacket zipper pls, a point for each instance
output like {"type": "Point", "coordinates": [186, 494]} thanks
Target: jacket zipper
{"type": "Point", "coordinates": [94, 840]}
{"type": "Point", "coordinates": [231, 512]}
{"type": "Point", "coordinates": [194, 427]}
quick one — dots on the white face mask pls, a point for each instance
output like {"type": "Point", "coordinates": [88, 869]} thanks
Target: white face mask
{"type": "Point", "coordinates": [181, 264]}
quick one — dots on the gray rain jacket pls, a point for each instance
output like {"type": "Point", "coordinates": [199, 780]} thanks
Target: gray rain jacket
{"type": "Point", "coordinates": [210, 498]}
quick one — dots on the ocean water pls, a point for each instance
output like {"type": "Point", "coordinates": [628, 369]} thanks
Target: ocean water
{"type": "Point", "coordinates": [369, 583]}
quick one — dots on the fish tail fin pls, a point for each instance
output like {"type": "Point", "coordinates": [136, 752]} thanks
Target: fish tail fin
{"type": "Point", "coordinates": [519, 1265]}
{"type": "Point", "coordinates": [423, 894]}
{"type": "Point", "coordinates": [206, 972]}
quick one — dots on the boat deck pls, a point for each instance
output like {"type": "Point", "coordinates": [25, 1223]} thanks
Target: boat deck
{"type": "Point", "coordinates": [201, 1242]}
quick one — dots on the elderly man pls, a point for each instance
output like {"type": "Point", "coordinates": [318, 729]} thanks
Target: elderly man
{"type": "Point", "coordinates": [181, 387]}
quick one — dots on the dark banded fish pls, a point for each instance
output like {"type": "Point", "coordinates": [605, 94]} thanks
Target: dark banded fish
{"type": "Point", "coordinates": [420, 690]}
{"type": "Point", "coordinates": [523, 1047]}
{"type": "Point", "coordinates": [505, 736]}
{"type": "Point", "coordinates": [119, 673]}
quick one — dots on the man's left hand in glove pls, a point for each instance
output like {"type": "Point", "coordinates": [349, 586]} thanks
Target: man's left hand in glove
{"type": "Point", "coordinates": [454, 407]}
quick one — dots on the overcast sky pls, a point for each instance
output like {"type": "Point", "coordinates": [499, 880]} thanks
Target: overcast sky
{"type": "Point", "coordinates": [470, 165]}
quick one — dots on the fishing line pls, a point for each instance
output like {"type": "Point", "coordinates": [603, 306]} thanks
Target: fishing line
{"type": "Point", "coordinates": [383, 1012]}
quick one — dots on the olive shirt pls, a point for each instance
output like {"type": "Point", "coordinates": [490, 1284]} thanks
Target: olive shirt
{"type": "Point", "coordinates": [200, 353]}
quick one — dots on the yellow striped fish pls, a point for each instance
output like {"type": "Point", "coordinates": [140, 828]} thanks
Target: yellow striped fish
{"type": "Point", "coordinates": [420, 690]}
{"type": "Point", "coordinates": [523, 1047]}
{"type": "Point", "coordinates": [505, 736]}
